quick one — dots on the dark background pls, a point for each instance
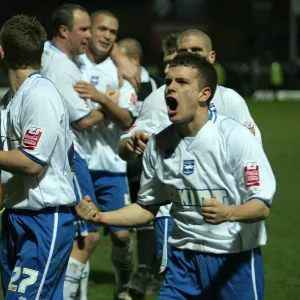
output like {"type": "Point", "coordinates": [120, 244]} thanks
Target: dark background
{"type": "Point", "coordinates": [245, 33]}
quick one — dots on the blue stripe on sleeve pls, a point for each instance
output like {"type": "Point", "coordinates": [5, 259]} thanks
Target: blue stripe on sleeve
{"type": "Point", "coordinates": [38, 161]}
{"type": "Point", "coordinates": [86, 115]}
{"type": "Point", "coordinates": [261, 199]}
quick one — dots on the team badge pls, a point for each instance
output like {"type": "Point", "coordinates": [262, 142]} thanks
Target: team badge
{"type": "Point", "coordinates": [251, 173]}
{"type": "Point", "coordinates": [32, 137]}
{"type": "Point", "coordinates": [188, 167]}
{"type": "Point", "coordinates": [94, 80]}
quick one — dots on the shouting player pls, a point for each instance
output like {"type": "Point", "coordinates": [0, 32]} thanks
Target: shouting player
{"type": "Point", "coordinates": [220, 184]}
{"type": "Point", "coordinates": [154, 114]}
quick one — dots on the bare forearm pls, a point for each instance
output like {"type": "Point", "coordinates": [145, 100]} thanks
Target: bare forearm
{"type": "Point", "coordinates": [132, 215]}
{"type": "Point", "coordinates": [18, 163]}
{"type": "Point", "coordinates": [114, 112]}
{"type": "Point", "coordinates": [124, 152]}
{"type": "Point", "coordinates": [252, 211]}
{"type": "Point", "coordinates": [92, 119]}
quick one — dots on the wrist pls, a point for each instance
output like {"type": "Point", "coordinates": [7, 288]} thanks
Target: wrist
{"type": "Point", "coordinates": [100, 98]}
{"type": "Point", "coordinates": [99, 218]}
{"type": "Point", "coordinates": [231, 213]}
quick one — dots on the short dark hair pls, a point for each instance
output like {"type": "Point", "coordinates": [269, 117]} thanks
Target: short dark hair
{"type": "Point", "coordinates": [207, 72]}
{"type": "Point", "coordinates": [64, 15]}
{"type": "Point", "coordinates": [22, 38]}
{"type": "Point", "coordinates": [103, 12]}
{"type": "Point", "coordinates": [169, 44]}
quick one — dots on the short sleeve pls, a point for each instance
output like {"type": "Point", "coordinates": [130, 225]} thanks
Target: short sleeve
{"type": "Point", "coordinates": [128, 97]}
{"type": "Point", "coordinates": [238, 110]}
{"type": "Point", "coordinates": [40, 122]}
{"type": "Point", "coordinates": [252, 171]}
{"type": "Point", "coordinates": [152, 117]}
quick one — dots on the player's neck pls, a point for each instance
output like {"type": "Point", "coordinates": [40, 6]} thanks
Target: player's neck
{"type": "Point", "coordinates": [61, 45]}
{"type": "Point", "coordinates": [192, 127]}
{"type": "Point", "coordinates": [17, 77]}
{"type": "Point", "coordinates": [95, 58]}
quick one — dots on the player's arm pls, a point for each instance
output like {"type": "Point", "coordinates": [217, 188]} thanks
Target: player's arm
{"type": "Point", "coordinates": [215, 212]}
{"type": "Point", "coordinates": [254, 178]}
{"type": "Point", "coordinates": [81, 116]}
{"type": "Point", "coordinates": [132, 215]}
{"type": "Point", "coordinates": [17, 162]}
{"type": "Point", "coordinates": [95, 117]}
{"type": "Point", "coordinates": [126, 69]}
{"type": "Point", "coordinates": [110, 109]}
{"type": "Point", "coordinates": [142, 122]}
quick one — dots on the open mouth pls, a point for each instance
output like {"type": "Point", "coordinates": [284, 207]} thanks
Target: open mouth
{"type": "Point", "coordinates": [171, 103]}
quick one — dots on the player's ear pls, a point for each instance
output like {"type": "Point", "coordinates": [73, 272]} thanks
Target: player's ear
{"type": "Point", "coordinates": [204, 95]}
{"type": "Point", "coordinates": [212, 57]}
{"type": "Point", "coordinates": [63, 31]}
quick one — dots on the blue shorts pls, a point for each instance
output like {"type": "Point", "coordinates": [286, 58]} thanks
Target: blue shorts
{"type": "Point", "coordinates": [163, 227]}
{"type": "Point", "coordinates": [111, 192]}
{"type": "Point", "coordinates": [198, 275]}
{"type": "Point", "coordinates": [83, 185]}
{"type": "Point", "coordinates": [34, 251]}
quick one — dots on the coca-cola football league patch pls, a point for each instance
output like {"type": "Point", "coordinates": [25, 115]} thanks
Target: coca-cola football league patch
{"type": "Point", "coordinates": [251, 174]}
{"type": "Point", "coordinates": [32, 137]}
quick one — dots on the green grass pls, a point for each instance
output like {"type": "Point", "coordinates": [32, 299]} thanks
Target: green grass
{"type": "Point", "coordinates": [280, 127]}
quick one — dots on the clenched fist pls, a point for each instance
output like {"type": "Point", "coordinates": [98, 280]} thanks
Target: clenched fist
{"type": "Point", "coordinates": [88, 211]}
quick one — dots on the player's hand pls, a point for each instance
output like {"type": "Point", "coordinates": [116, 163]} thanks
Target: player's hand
{"type": "Point", "coordinates": [215, 212]}
{"type": "Point", "coordinates": [130, 71]}
{"type": "Point", "coordinates": [138, 142]}
{"type": "Point", "coordinates": [88, 211]}
{"type": "Point", "coordinates": [87, 90]}
{"type": "Point", "coordinates": [112, 94]}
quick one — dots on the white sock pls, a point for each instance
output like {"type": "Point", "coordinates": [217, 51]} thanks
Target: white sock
{"type": "Point", "coordinates": [84, 281]}
{"type": "Point", "coordinates": [72, 279]}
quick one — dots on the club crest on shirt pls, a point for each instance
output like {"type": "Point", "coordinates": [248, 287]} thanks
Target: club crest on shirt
{"type": "Point", "coordinates": [188, 166]}
{"type": "Point", "coordinates": [32, 137]}
{"type": "Point", "coordinates": [94, 80]}
{"type": "Point", "coordinates": [251, 174]}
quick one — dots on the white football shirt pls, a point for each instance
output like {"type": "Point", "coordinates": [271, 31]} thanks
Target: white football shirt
{"type": "Point", "coordinates": [104, 138]}
{"type": "Point", "coordinates": [154, 116]}
{"type": "Point", "coordinates": [36, 122]}
{"type": "Point", "coordinates": [225, 161]}
{"type": "Point", "coordinates": [64, 73]}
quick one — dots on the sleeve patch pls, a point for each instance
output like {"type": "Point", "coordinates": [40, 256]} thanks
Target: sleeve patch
{"type": "Point", "coordinates": [132, 126]}
{"type": "Point", "coordinates": [251, 173]}
{"type": "Point", "coordinates": [32, 137]}
{"type": "Point", "coordinates": [251, 127]}
{"type": "Point", "coordinates": [132, 100]}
